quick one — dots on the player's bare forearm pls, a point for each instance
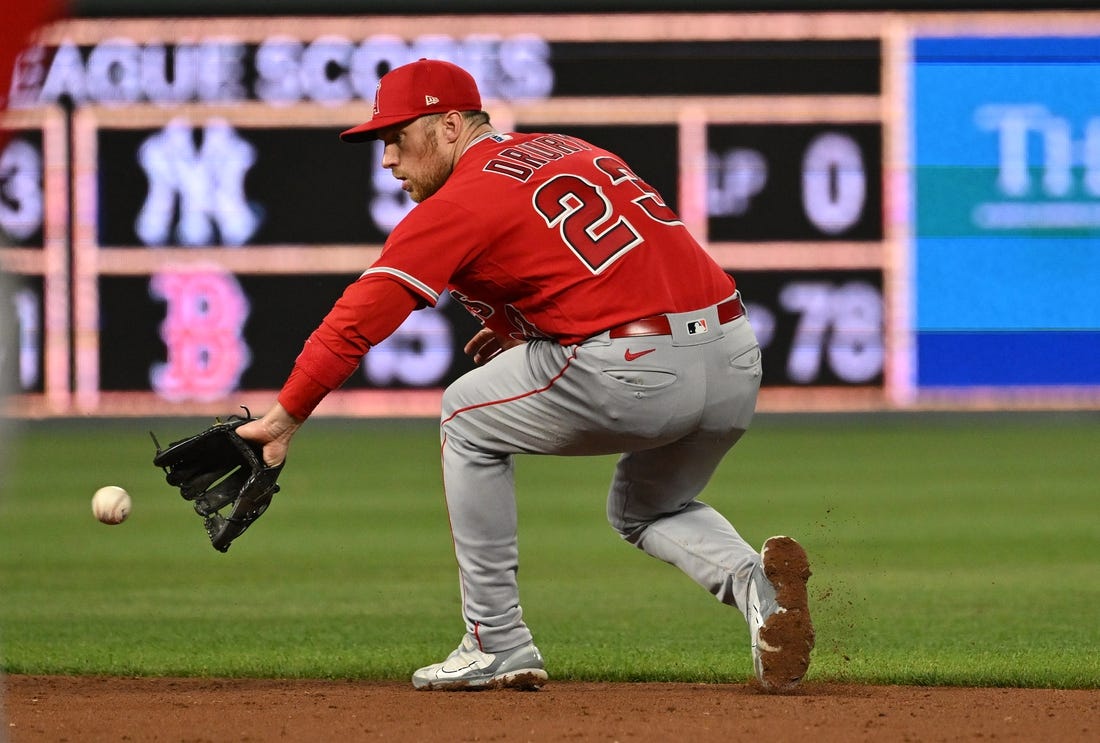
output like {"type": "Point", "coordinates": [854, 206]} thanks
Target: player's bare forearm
{"type": "Point", "coordinates": [486, 344]}
{"type": "Point", "coordinates": [274, 431]}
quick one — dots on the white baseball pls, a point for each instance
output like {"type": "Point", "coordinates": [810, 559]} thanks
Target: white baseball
{"type": "Point", "coordinates": [111, 504]}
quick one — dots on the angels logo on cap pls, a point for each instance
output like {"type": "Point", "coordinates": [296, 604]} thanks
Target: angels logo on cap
{"type": "Point", "coordinates": [427, 86]}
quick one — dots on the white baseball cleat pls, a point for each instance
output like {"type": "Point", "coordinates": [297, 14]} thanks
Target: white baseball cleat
{"type": "Point", "coordinates": [470, 668]}
{"type": "Point", "coordinates": [779, 615]}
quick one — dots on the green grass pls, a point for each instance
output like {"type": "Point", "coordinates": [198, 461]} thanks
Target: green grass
{"type": "Point", "coordinates": [947, 549]}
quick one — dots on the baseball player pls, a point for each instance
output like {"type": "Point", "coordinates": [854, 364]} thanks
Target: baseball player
{"type": "Point", "coordinates": [606, 329]}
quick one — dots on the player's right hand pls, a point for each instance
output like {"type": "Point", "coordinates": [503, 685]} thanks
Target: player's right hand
{"type": "Point", "coordinates": [273, 432]}
{"type": "Point", "coordinates": [486, 344]}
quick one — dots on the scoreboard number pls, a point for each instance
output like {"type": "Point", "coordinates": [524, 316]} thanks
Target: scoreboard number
{"type": "Point", "coordinates": [837, 325]}
{"type": "Point", "coordinates": [21, 200]}
{"type": "Point", "coordinates": [834, 182]}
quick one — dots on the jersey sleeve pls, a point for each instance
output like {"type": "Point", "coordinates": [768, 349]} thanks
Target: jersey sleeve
{"type": "Point", "coordinates": [428, 247]}
{"type": "Point", "coordinates": [367, 313]}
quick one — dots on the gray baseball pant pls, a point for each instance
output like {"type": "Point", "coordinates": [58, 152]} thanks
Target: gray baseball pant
{"type": "Point", "coordinates": [673, 413]}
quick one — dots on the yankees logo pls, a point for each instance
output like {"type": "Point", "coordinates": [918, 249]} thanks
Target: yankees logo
{"type": "Point", "coordinates": [206, 183]}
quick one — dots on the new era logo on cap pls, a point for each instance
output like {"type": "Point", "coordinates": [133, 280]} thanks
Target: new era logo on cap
{"type": "Point", "coordinates": [427, 86]}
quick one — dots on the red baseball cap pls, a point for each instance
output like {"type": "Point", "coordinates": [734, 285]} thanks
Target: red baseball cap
{"type": "Point", "coordinates": [427, 86]}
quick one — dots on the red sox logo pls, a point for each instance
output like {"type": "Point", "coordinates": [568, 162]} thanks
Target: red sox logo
{"type": "Point", "coordinates": [202, 333]}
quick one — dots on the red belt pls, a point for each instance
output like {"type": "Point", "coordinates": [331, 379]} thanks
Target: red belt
{"type": "Point", "coordinates": [658, 324]}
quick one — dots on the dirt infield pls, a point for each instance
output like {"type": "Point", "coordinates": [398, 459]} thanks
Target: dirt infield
{"type": "Point", "coordinates": [77, 709]}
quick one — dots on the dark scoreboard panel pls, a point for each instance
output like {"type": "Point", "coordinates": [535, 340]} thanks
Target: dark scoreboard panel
{"type": "Point", "coordinates": [717, 68]}
{"type": "Point", "coordinates": [801, 182]}
{"type": "Point", "coordinates": [197, 332]}
{"type": "Point", "coordinates": [817, 328]}
{"type": "Point", "coordinates": [301, 185]}
{"type": "Point", "coordinates": [204, 333]}
{"type": "Point", "coordinates": [213, 182]}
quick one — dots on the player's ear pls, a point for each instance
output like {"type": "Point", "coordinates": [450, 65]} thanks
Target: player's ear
{"type": "Point", "coordinates": [454, 123]}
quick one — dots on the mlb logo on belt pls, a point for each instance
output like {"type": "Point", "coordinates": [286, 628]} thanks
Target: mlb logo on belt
{"type": "Point", "coordinates": [697, 327]}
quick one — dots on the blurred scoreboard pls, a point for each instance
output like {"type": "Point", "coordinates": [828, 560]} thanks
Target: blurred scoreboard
{"type": "Point", "coordinates": [178, 213]}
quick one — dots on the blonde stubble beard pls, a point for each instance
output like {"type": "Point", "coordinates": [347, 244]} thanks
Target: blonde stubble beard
{"type": "Point", "coordinates": [436, 176]}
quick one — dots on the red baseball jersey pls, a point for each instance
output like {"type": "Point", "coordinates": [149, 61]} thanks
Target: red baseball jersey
{"type": "Point", "coordinates": [548, 236]}
{"type": "Point", "coordinates": [540, 235]}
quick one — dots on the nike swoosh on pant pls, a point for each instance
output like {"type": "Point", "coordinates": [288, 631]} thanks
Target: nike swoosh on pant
{"type": "Point", "coordinates": [629, 356]}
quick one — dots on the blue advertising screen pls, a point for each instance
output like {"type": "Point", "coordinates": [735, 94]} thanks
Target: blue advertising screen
{"type": "Point", "coordinates": [1006, 199]}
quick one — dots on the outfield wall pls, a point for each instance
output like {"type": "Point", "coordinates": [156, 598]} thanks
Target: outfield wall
{"type": "Point", "coordinates": [909, 201]}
